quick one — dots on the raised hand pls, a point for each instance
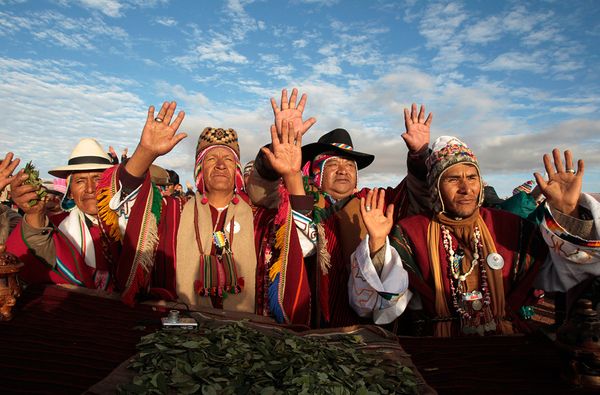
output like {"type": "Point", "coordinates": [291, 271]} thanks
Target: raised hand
{"type": "Point", "coordinates": [378, 224]}
{"type": "Point", "coordinates": [159, 134]}
{"type": "Point", "coordinates": [287, 110]}
{"type": "Point", "coordinates": [417, 126]}
{"type": "Point", "coordinates": [158, 138]}
{"type": "Point", "coordinates": [563, 187]}
{"type": "Point", "coordinates": [7, 166]}
{"type": "Point", "coordinates": [285, 156]}
{"type": "Point", "coordinates": [22, 194]}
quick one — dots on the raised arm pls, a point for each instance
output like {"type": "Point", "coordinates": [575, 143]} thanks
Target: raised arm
{"type": "Point", "coordinates": [378, 282]}
{"type": "Point", "coordinates": [378, 223]}
{"type": "Point", "coordinates": [417, 126]}
{"type": "Point", "coordinates": [285, 156]}
{"type": "Point", "coordinates": [263, 182]}
{"type": "Point", "coordinates": [288, 110]}
{"type": "Point", "coordinates": [159, 137]}
{"type": "Point", "coordinates": [563, 187]}
{"type": "Point", "coordinates": [417, 138]}
{"type": "Point", "coordinates": [7, 166]}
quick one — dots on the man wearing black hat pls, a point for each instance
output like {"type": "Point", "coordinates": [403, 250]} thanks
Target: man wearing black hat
{"type": "Point", "coordinates": [325, 202]}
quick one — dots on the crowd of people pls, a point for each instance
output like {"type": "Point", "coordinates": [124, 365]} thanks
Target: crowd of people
{"type": "Point", "coordinates": [292, 235]}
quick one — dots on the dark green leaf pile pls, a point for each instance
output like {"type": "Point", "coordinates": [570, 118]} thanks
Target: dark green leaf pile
{"type": "Point", "coordinates": [238, 359]}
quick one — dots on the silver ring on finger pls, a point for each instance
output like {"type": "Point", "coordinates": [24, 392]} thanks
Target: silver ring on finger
{"type": "Point", "coordinates": [367, 208]}
{"type": "Point", "coordinates": [572, 171]}
{"type": "Point", "coordinates": [158, 119]}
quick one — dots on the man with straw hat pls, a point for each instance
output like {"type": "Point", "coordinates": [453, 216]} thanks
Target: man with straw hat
{"type": "Point", "coordinates": [67, 248]}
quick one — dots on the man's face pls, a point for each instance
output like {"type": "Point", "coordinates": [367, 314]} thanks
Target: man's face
{"type": "Point", "coordinates": [167, 190]}
{"type": "Point", "coordinates": [339, 177]}
{"type": "Point", "coordinates": [219, 170]}
{"type": "Point", "coordinates": [83, 190]}
{"type": "Point", "coordinates": [459, 188]}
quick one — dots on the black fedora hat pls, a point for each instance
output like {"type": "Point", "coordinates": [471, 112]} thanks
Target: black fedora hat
{"type": "Point", "coordinates": [337, 141]}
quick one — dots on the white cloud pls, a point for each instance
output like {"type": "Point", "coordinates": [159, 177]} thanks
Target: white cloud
{"type": "Point", "coordinates": [484, 31]}
{"type": "Point", "coordinates": [441, 22]}
{"type": "Point", "coordinates": [515, 61]}
{"type": "Point", "coordinates": [56, 29]}
{"type": "Point", "coordinates": [239, 21]}
{"type": "Point", "coordinates": [110, 8]}
{"type": "Point", "coordinates": [301, 43]}
{"type": "Point", "coordinates": [325, 3]}
{"type": "Point", "coordinates": [165, 21]}
{"type": "Point", "coordinates": [53, 106]}
{"type": "Point", "coordinates": [328, 67]}
{"type": "Point", "coordinates": [523, 20]}
{"type": "Point", "coordinates": [218, 50]}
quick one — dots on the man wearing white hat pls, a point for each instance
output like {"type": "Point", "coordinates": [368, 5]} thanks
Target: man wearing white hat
{"type": "Point", "coordinates": [67, 248]}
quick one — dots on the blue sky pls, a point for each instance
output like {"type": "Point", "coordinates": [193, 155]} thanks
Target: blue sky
{"type": "Point", "coordinates": [513, 79]}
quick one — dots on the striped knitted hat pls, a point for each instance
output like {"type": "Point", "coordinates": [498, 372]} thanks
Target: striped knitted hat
{"type": "Point", "coordinates": [526, 187]}
{"type": "Point", "coordinates": [212, 138]}
{"type": "Point", "coordinates": [446, 152]}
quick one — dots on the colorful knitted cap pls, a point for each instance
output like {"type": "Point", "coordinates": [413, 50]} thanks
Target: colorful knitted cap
{"type": "Point", "coordinates": [217, 136]}
{"type": "Point", "coordinates": [526, 187]}
{"type": "Point", "coordinates": [199, 174]}
{"type": "Point", "coordinates": [446, 152]}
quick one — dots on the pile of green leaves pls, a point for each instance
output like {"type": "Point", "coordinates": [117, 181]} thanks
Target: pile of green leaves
{"type": "Point", "coordinates": [237, 359]}
{"type": "Point", "coordinates": [33, 178]}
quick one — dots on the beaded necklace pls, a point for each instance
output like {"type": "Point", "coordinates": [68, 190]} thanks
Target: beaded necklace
{"type": "Point", "coordinates": [473, 307]}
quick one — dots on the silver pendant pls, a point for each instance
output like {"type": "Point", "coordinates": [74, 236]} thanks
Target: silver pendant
{"type": "Point", "coordinates": [495, 261]}
{"type": "Point", "coordinates": [477, 305]}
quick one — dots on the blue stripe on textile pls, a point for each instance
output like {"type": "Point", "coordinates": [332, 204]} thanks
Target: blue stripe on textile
{"type": "Point", "coordinates": [274, 304]}
{"type": "Point", "coordinates": [63, 269]}
{"type": "Point", "coordinates": [300, 217]}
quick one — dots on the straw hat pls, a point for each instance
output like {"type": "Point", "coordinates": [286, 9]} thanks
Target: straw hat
{"type": "Point", "coordinates": [87, 155]}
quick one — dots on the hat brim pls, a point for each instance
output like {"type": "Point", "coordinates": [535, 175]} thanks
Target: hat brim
{"type": "Point", "coordinates": [64, 171]}
{"type": "Point", "coordinates": [310, 151]}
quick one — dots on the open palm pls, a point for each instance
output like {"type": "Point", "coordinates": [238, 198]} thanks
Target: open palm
{"type": "Point", "coordinates": [159, 134]}
{"type": "Point", "coordinates": [378, 223]}
{"type": "Point", "coordinates": [288, 110]}
{"type": "Point", "coordinates": [563, 187]}
{"type": "Point", "coordinates": [285, 153]}
{"type": "Point", "coordinates": [417, 128]}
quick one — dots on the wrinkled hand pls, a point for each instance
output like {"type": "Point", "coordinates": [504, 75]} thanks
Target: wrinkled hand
{"type": "Point", "coordinates": [378, 224]}
{"type": "Point", "coordinates": [563, 187]}
{"type": "Point", "coordinates": [7, 167]}
{"type": "Point", "coordinates": [22, 193]}
{"type": "Point", "coordinates": [289, 111]}
{"type": "Point", "coordinates": [417, 128]}
{"type": "Point", "coordinates": [285, 155]}
{"type": "Point", "coordinates": [159, 134]}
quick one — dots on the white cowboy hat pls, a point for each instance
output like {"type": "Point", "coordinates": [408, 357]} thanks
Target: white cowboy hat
{"type": "Point", "coordinates": [87, 155]}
